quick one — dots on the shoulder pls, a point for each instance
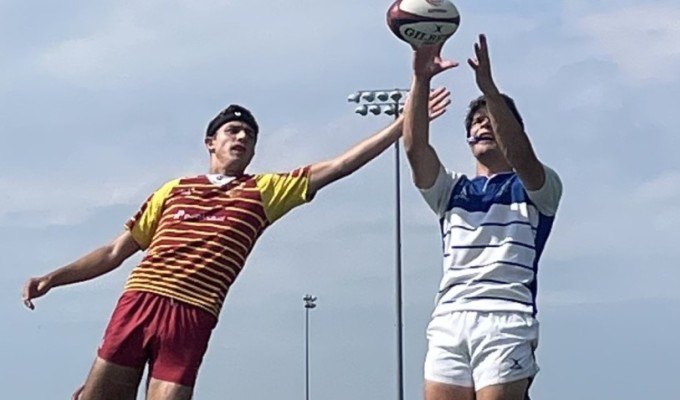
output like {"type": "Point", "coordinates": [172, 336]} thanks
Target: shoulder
{"type": "Point", "coordinates": [300, 172]}
{"type": "Point", "coordinates": [547, 198]}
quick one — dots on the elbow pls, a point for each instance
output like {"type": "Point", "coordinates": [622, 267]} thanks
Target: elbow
{"type": "Point", "coordinates": [521, 159]}
{"type": "Point", "coordinates": [115, 253]}
{"type": "Point", "coordinates": [342, 168]}
{"type": "Point", "coordinates": [339, 169]}
{"type": "Point", "coordinates": [111, 256]}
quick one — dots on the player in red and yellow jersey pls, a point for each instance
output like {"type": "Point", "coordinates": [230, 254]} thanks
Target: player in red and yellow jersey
{"type": "Point", "coordinates": [197, 233]}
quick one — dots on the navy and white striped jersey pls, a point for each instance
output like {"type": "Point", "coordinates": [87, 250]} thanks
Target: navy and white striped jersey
{"type": "Point", "coordinates": [493, 231]}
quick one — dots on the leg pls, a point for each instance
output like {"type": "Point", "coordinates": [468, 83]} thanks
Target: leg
{"type": "Point", "coordinates": [503, 355]}
{"type": "Point", "coordinates": [121, 357]}
{"type": "Point", "coordinates": [108, 381]}
{"type": "Point", "coordinates": [163, 390]}
{"type": "Point", "coordinates": [447, 364]}
{"type": "Point", "coordinates": [443, 391]}
{"type": "Point", "coordinates": [184, 332]}
{"type": "Point", "coordinates": [507, 391]}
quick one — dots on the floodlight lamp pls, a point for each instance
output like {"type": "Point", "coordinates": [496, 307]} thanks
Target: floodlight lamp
{"type": "Point", "coordinates": [354, 97]}
{"type": "Point", "coordinates": [374, 109]}
{"type": "Point", "coordinates": [368, 96]}
{"type": "Point", "coordinates": [383, 96]}
{"type": "Point", "coordinates": [396, 95]}
{"type": "Point", "coordinates": [389, 110]}
{"type": "Point", "coordinates": [361, 110]}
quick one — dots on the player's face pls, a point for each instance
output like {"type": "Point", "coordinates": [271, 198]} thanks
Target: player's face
{"type": "Point", "coordinates": [482, 130]}
{"type": "Point", "coordinates": [233, 146]}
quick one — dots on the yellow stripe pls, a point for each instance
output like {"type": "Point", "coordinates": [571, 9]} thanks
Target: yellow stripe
{"type": "Point", "coordinates": [165, 264]}
{"type": "Point", "coordinates": [181, 232]}
{"type": "Point", "coordinates": [157, 250]}
{"type": "Point", "coordinates": [202, 260]}
{"type": "Point", "coordinates": [176, 285]}
{"type": "Point", "coordinates": [260, 218]}
{"type": "Point", "coordinates": [184, 240]}
{"type": "Point", "coordinates": [183, 281]}
{"type": "Point", "coordinates": [170, 269]}
{"type": "Point", "coordinates": [246, 223]}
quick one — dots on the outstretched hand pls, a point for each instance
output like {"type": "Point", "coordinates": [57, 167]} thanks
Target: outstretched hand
{"type": "Point", "coordinates": [439, 100]}
{"type": "Point", "coordinates": [481, 64]}
{"type": "Point", "coordinates": [34, 288]}
{"type": "Point", "coordinates": [76, 395]}
{"type": "Point", "coordinates": [427, 61]}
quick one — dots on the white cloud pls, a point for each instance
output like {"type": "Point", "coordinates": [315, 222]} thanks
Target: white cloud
{"type": "Point", "coordinates": [36, 199]}
{"type": "Point", "coordinates": [619, 220]}
{"type": "Point", "coordinates": [155, 42]}
{"type": "Point", "coordinates": [642, 39]}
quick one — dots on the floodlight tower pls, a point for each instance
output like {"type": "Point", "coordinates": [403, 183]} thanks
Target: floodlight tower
{"type": "Point", "coordinates": [390, 102]}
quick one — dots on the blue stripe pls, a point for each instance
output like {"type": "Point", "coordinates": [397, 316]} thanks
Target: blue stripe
{"type": "Point", "coordinates": [482, 246]}
{"type": "Point", "coordinates": [512, 264]}
{"type": "Point", "coordinates": [491, 298]}
{"type": "Point", "coordinates": [475, 196]}
{"type": "Point", "coordinates": [446, 289]}
{"type": "Point", "coordinates": [472, 229]}
{"type": "Point", "coordinates": [545, 224]}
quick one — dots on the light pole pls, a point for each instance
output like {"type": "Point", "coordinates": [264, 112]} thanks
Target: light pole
{"type": "Point", "coordinates": [390, 102]}
{"type": "Point", "coordinates": [309, 304]}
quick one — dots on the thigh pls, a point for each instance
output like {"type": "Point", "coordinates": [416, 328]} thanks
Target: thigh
{"type": "Point", "coordinates": [163, 390]}
{"type": "Point", "coordinates": [109, 381]}
{"type": "Point", "coordinates": [517, 390]}
{"type": "Point", "coordinates": [126, 336]}
{"type": "Point", "coordinates": [181, 344]}
{"type": "Point", "coordinates": [448, 360]}
{"type": "Point", "coordinates": [503, 352]}
{"type": "Point", "coordinates": [443, 391]}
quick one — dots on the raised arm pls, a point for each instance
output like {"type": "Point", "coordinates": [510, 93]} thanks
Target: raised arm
{"type": "Point", "coordinates": [94, 264]}
{"type": "Point", "coordinates": [326, 172]}
{"type": "Point", "coordinates": [425, 164]}
{"type": "Point", "coordinates": [510, 136]}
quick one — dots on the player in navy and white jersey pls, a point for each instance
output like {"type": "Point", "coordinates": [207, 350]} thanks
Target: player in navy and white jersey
{"type": "Point", "coordinates": [494, 227]}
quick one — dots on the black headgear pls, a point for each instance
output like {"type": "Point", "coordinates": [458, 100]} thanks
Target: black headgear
{"type": "Point", "coordinates": [232, 113]}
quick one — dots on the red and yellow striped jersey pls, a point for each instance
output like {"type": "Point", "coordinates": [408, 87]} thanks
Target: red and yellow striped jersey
{"type": "Point", "coordinates": [198, 232]}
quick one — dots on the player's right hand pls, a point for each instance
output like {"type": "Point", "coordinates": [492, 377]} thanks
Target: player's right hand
{"type": "Point", "coordinates": [34, 288]}
{"type": "Point", "coordinates": [428, 62]}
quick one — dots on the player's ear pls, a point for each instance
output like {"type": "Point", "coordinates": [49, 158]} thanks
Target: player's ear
{"type": "Point", "coordinates": [210, 144]}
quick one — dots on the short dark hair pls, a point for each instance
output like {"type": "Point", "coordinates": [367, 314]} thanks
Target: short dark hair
{"type": "Point", "coordinates": [234, 112]}
{"type": "Point", "coordinates": [480, 102]}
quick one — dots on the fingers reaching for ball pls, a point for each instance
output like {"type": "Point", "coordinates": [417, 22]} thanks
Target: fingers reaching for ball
{"type": "Point", "coordinates": [440, 99]}
{"type": "Point", "coordinates": [427, 61]}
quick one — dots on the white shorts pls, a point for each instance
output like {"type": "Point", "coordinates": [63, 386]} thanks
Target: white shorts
{"type": "Point", "coordinates": [479, 349]}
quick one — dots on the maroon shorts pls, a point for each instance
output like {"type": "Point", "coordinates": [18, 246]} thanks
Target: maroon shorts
{"type": "Point", "coordinates": [170, 335]}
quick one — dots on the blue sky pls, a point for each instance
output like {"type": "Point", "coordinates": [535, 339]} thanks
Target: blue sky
{"type": "Point", "coordinates": [101, 103]}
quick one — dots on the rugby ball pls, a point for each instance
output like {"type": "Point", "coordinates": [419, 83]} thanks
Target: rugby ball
{"type": "Point", "coordinates": [421, 22]}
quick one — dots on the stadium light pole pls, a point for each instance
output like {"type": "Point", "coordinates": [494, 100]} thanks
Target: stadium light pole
{"type": "Point", "coordinates": [390, 102]}
{"type": "Point", "coordinates": [310, 303]}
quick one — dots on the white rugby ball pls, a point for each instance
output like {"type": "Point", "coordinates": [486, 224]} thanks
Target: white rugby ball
{"type": "Point", "coordinates": [420, 22]}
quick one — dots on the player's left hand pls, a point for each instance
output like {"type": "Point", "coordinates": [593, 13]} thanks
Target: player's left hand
{"type": "Point", "coordinates": [482, 67]}
{"type": "Point", "coordinates": [77, 393]}
{"type": "Point", "coordinates": [439, 101]}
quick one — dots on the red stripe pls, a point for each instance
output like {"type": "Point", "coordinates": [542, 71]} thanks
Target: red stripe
{"type": "Point", "coordinates": [199, 274]}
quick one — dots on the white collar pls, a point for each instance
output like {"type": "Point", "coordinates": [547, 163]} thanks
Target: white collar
{"type": "Point", "coordinates": [219, 179]}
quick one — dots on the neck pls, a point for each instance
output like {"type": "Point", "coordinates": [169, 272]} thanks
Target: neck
{"type": "Point", "coordinates": [492, 167]}
{"type": "Point", "coordinates": [226, 170]}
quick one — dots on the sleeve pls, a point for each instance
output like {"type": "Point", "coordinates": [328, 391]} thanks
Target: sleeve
{"type": "Point", "coordinates": [438, 196]}
{"type": "Point", "coordinates": [283, 192]}
{"type": "Point", "coordinates": [143, 224]}
{"type": "Point", "coordinates": [547, 198]}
